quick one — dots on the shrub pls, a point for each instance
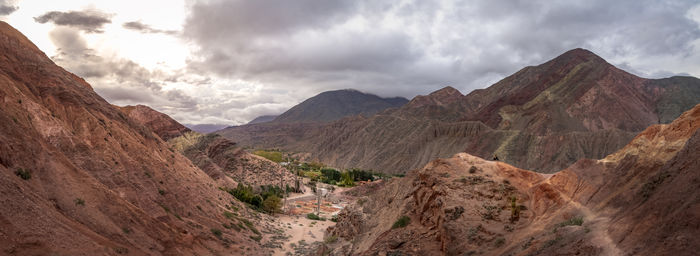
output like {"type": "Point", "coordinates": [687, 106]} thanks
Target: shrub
{"type": "Point", "coordinates": [79, 201]}
{"type": "Point", "coordinates": [24, 174]}
{"type": "Point", "coordinates": [228, 215]}
{"type": "Point", "coordinates": [499, 242]}
{"type": "Point", "coordinates": [514, 209]}
{"type": "Point", "coordinates": [329, 174]}
{"type": "Point", "coordinates": [272, 204]}
{"type": "Point", "coordinates": [161, 191]}
{"type": "Point", "coordinates": [331, 239]}
{"type": "Point", "coordinates": [334, 218]}
{"type": "Point", "coordinates": [472, 169]}
{"type": "Point", "coordinates": [401, 222]}
{"type": "Point", "coordinates": [347, 180]}
{"type": "Point", "coordinates": [574, 221]}
{"type": "Point", "coordinates": [312, 216]}
{"type": "Point", "coordinates": [216, 232]}
{"type": "Point", "coordinates": [256, 238]}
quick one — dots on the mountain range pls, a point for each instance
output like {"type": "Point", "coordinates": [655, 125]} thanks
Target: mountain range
{"type": "Point", "coordinates": [542, 118]}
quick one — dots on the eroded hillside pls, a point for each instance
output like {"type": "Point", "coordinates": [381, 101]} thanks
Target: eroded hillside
{"type": "Point", "coordinates": [641, 200]}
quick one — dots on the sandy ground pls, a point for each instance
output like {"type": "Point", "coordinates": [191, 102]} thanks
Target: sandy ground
{"type": "Point", "coordinates": [301, 231]}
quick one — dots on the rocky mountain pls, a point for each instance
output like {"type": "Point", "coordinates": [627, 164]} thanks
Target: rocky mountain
{"type": "Point", "coordinates": [205, 128]}
{"type": "Point", "coordinates": [333, 105]}
{"type": "Point", "coordinates": [80, 177]}
{"type": "Point", "coordinates": [262, 119]}
{"type": "Point", "coordinates": [220, 158]}
{"type": "Point", "coordinates": [641, 200]}
{"type": "Point", "coordinates": [541, 118]}
{"type": "Point", "coordinates": [162, 124]}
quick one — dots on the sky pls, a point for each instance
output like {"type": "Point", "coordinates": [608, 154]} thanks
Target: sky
{"type": "Point", "coordinates": [227, 62]}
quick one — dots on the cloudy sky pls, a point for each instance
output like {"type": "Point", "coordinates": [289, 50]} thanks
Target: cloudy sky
{"type": "Point", "coordinates": [227, 62]}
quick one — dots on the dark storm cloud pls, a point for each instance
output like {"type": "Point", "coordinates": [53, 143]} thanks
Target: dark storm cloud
{"type": "Point", "coordinates": [145, 28]}
{"type": "Point", "coordinates": [90, 21]}
{"type": "Point", "coordinates": [413, 47]}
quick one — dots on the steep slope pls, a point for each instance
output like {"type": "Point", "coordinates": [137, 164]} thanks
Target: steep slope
{"type": "Point", "coordinates": [217, 156]}
{"type": "Point", "coordinates": [262, 119]}
{"type": "Point", "coordinates": [334, 105]}
{"type": "Point", "coordinates": [78, 177]}
{"type": "Point", "coordinates": [220, 157]}
{"type": "Point", "coordinates": [642, 200]}
{"type": "Point", "coordinates": [162, 124]}
{"type": "Point", "coordinates": [542, 118]}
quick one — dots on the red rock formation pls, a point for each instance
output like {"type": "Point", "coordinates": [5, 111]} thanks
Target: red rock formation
{"type": "Point", "coordinates": [78, 177]}
{"type": "Point", "coordinates": [641, 200]}
{"type": "Point", "coordinates": [162, 124]}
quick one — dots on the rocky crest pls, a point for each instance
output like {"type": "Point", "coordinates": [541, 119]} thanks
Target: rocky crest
{"type": "Point", "coordinates": [642, 200]}
{"type": "Point", "coordinates": [162, 124]}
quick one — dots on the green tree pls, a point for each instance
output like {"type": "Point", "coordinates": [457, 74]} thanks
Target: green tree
{"type": "Point", "coordinates": [272, 204]}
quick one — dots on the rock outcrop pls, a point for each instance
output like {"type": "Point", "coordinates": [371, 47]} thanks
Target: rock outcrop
{"type": "Point", "coordinates": [162, 124]}
{"type": "Point", "coordinates": [641, 200]}
{"type": "Point", "coordinates": [79, 177]}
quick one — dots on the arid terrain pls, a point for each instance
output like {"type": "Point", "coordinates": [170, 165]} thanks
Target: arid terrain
{"type": "Point", "coordinates": [570, 157]}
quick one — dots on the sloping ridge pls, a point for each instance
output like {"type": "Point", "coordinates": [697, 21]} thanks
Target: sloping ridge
{"type": "Point", "coordinates": [78, 177]}
{"type": "Point", "coordinates": [641, 200]}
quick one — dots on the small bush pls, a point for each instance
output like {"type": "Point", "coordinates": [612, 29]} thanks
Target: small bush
{"type": "Point", "coordinates": [312, 216]}
{"type": "Point", "coordinates": [499, 242]}
{"type": "Point", "coordinates": [272, 204]}
{"type": "Point", "coordinates": [473, 169]}
{"type": "Point", "coordinates": [401, 222]}
{"type": "Point", "coordinates": [331, 239]}
{"type": "Point", "coordinates": [24, 174]}
{"type": "Point", "coordinates": [161, 192]}
{"type": "Point", "coordinates": [216, 232]}
{"type": "Point", "coordinates": [575, 221]}
{"type": "Point", "coordinates": [228, 214]}
{"type": "Point", "coordinates": [79, 201]}
{"type": "Point", "coordinates": [334, 218]}
{"type": "Point", "coordinates": [256, 238]}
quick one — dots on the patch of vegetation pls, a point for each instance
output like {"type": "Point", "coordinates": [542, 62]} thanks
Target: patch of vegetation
{"type": "Point", "coordinates": [472, 180]}
{"type": "Point", "coordinates": [491, 212]}
{"type": "Point", "coordinates": [228, 215]}
{"type": "Point", "coordinates": [121, 250]}
{"type": "Point", "coordinates": [649, 187]}
{"type": "Point", "coordinates": [473, 169]}
{"type": "Point", "coordinates": [334, 218]}
{"type": "Point", "coordinates": [499, 242]}
{"type": "Point", "coordinates": [347, 180]}
{"type": "Point", "coordinates": [549, 243]}
{"type": "Point", "coordinates": [272, 204]}
{"type": "Point", "coordinates": [275, 156]}
{"type": "Point", "coordinates": [401, 222]}
{"type": "Point", "coordinates": [514, 209]}
{"type": "Point", "coordinates": [313, 216]}
{"type": "Point", "coordinates": [250, 226]}
{"type": "Point", "coordinates": [267, 199]}
{"type": "Point", "coordinates": [256, 238]}
{"type": "Point", "coordinates": [147, 174]}
{"type": "Point", "coordinates": [216, 232]}
{"type": "Point", "coordinates": [574, 221]}
{"type": "Point", "coordinates": [331, 239]}
{"type": "Point", "coordinates": [24, 174]}
{"type": "Point", "coordinates": [126, 230]}
{"type": "Point", "coordinates": [473, 232]}
{"type": "Point", "coordinates": [79, 201]}
{"type": "Point", "coordinates": [161, 191]}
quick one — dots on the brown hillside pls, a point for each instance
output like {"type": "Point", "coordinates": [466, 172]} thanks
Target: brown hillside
{"type": "Point", "coordinates": [78, 177]}
{"type": "Point", "coordinates": [162, 124]}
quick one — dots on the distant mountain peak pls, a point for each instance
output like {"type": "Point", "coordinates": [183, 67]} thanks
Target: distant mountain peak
{"type": "Point", "coordinates": [578, 55]}
{"type": "Point", "coordinates": [444, 96]}
{"type": "Point", "coordinates": [333, 105]}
